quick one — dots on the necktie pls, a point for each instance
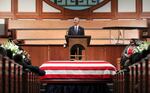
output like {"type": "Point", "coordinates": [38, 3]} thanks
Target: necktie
{"type": "Point", "coordinates": [76, 29]}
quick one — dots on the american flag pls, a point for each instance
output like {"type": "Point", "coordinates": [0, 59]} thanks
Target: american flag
{"type": "Point", "coordinates": [78, 70]}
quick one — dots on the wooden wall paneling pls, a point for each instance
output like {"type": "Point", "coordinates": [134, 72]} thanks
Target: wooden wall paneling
{"type": "Point", "coordinates": [41, 34]}
{"type": "Point", "coordinates": [105, 52]}
{"type": "Point", "coordinates": [3, 40]}
{"type": "Point", "coordinates": [44, 42]}
{"type": "Point", "coordinates": [114, 52]}
{"type": "Point", "coordinates": [111, 54]}
{"type": "Point", "coordinates": [46, 31]}
{"type": "Point", "coordinates": [39, 54]}
{"type": "Point", "coordinates": [58, 53]}
{"type": "Point", "coordinates": [101, 36]}
{"type": "Point", "coordinates": [43, 53]}
{"type": "Point", "coordinates": [96, 53]}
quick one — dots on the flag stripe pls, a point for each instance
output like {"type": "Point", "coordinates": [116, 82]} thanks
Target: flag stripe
{"type": "Point", "coordinates": [77, 68]}
{"type": "Point", "coordinates": [58, 76]}
{"type": "Point", "coordinates": [80, 72]}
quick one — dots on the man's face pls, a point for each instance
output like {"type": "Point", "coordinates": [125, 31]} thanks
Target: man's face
{"type": "Point", "coordinates": [131, 42]}
{"type": "Point", "coordinates": [76, 21]}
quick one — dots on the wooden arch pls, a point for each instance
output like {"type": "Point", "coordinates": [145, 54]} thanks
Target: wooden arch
{"type": "Point", "coordinates": [86, 13]}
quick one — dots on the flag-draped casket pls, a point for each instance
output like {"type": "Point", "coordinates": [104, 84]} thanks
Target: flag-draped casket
{"type": "Point", "coordinates": [78, 70]}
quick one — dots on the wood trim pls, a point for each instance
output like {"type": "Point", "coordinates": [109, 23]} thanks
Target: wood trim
{"type": "Point", "coordinates": [80, 13]}
{"type": "Point", "coordinates": [63, 24]}
{"type": "Point", "coordinates": [127, 15]}
{"type": "Point", "coordinates": [26, 15]}
{"type": "Point", "coordinates": [86, 14]}
{"type": "Point", "coordinates": [15, 8]}
{"type": "Point", "coordinates": [5, 28]}
{"type": "Point", "coordinates": [39, 8]}
{"type": "Point", "coordinates": [114, 8]}
{"type": "Point", "coordinates": [101, 16]}
{"type": "Point", "coordinates": [138, 8]}
{"type": "Point", "coordinates": [145, 15]}
{"type": "Point", "coordinates": [51, 16]}
{"type": "Point", "coordinates": [6, 15]}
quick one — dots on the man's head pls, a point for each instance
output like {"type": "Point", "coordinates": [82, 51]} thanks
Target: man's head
{"type": "Point", "coordinates": [76, 20]}
{"type": "Point", "coordinates": [133, 42]}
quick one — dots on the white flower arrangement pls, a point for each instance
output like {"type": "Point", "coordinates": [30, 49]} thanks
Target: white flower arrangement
{"type": "Point", "coordinates": [12, 46]}
{"type": "Point", "coordinates": [142, 46]}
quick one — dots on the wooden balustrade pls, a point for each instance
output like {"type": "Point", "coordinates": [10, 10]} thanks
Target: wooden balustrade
{"type": "Point", "coordinates": [14, 80]}
{"type": "Point", "coordinates": [134, 79]}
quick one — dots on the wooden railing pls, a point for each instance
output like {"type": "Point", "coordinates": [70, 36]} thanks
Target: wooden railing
{"type": "Point", "coordinates": [134, 79]}
{"type": "Point", "coordinates": [31, 80]}
{"type": "Point", "coordinates": [14, 80]}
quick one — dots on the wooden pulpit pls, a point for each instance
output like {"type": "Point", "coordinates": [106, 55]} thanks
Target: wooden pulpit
{"type": "Point", "coordinates": [84, 41]}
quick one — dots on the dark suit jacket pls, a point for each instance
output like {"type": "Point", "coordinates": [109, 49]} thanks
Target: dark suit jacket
{"type": "Point", "coordinates": [71, 31]}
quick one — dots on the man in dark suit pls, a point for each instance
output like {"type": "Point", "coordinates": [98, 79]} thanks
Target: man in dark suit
{"type": "Point", "coordinates": [76, 30]}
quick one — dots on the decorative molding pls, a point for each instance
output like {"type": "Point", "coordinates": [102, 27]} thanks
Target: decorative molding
{"type": "Point", "coordinates": [67, 14]}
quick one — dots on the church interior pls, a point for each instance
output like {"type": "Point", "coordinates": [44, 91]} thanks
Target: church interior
{"type": "Point", "coordinates": [38, 55]}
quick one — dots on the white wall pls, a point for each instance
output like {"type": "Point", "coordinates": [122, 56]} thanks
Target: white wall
{"type": "Point", "coordinates": [126, 5]}
{"type": "Point", "coordinates": [47, 8]}
{"type": "Point", "coordinates": [105, 8]}
{"type": "Point", "coordinates": [26, 5]}
{"type": "Point", "coordinates": [146, 5]}
{"type": "Point", "coordinates": [5, 5]}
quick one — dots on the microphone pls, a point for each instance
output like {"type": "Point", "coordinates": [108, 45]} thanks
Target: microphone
{"type": "Point", "coordinates": [67, 32]}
